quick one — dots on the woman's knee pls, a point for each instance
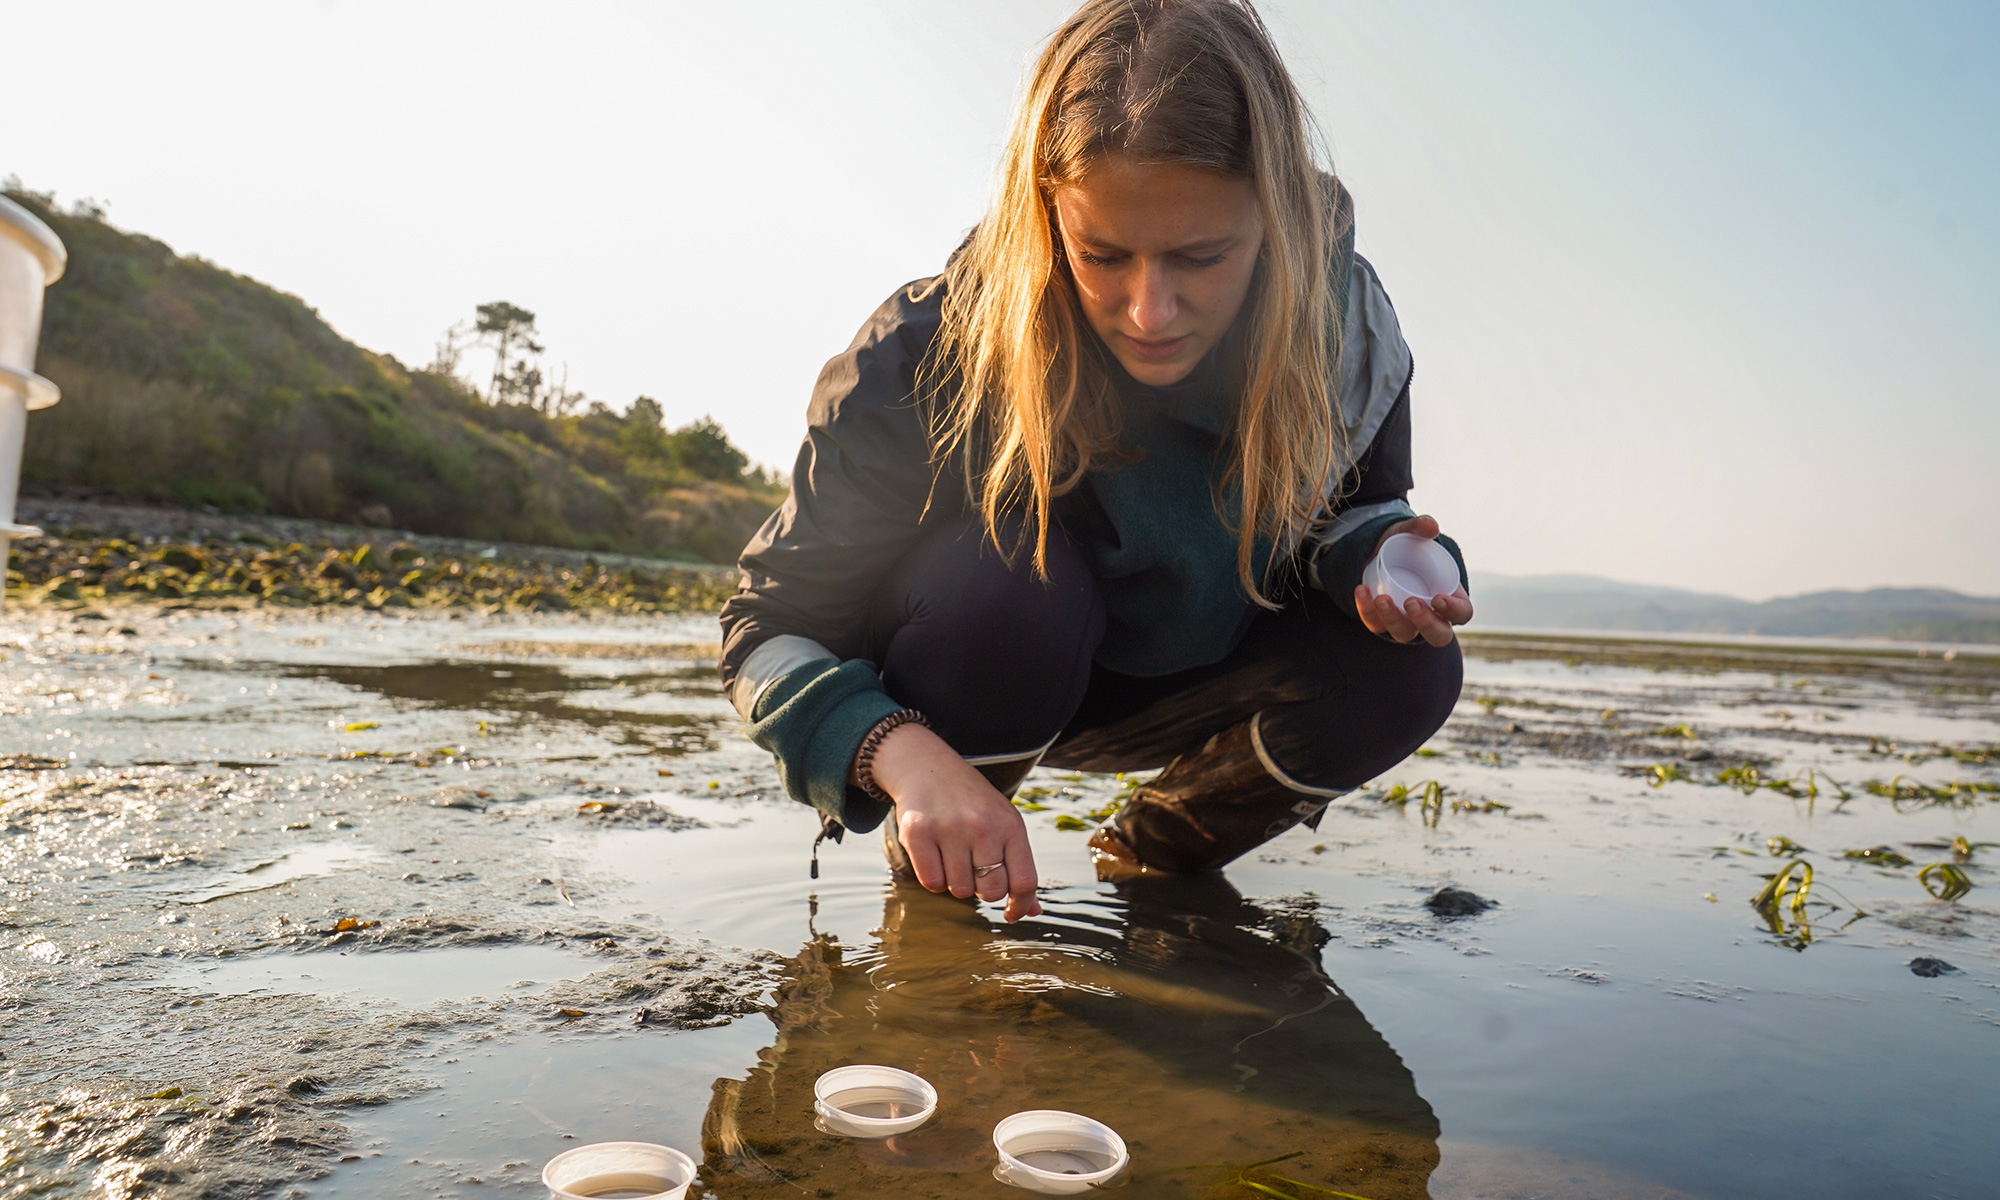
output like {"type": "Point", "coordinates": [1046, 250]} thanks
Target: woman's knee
{"type": "Point", "coordinates": [1383, 710]}
{"type": "Point", "coordinates": [995, 655]}
{"type": "Point", "coordinates": [1419, 699]}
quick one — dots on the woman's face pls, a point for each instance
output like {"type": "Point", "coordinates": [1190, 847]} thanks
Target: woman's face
{"type": "Point", "coordinates": [1162, 255]}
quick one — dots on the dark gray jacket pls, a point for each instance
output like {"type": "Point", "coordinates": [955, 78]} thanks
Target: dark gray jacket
{"type": "Point", "coordinates": [867, 486]}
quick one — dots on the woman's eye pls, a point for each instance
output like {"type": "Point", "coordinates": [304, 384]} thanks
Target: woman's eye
{"type": "Point", "coordinates": [1107, 260]}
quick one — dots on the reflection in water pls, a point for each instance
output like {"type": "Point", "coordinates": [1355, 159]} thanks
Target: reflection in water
{"type": "Point", "coordinates": [542, 691]}
{"type": "Point", "coordinates": [1196, 1024]}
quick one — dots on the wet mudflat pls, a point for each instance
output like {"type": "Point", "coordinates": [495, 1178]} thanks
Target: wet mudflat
{"type": "Point", "coordinates": [403, 905]}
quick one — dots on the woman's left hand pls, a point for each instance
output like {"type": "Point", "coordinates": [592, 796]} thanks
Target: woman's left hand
{"type": "Point", "coordinates": [1415, 619]}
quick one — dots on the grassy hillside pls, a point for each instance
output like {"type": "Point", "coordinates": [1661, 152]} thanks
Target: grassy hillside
{"type": "Point", "coordinates": [186, 384]}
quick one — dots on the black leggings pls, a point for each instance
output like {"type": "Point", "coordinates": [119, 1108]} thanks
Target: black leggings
{"type": "Point", "coordinates": [1001, 665]}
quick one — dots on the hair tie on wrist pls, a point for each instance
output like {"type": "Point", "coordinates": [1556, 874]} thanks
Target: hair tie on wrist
{"type": "Point", "coordinates": [864, 758]}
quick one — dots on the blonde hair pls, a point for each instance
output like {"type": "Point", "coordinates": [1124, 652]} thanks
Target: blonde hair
{"type": "Point", "coordinates": [1018, 388]}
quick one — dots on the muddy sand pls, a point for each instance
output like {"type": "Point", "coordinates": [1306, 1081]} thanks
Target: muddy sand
{"type": "Point", "coordinates": [405, 902]}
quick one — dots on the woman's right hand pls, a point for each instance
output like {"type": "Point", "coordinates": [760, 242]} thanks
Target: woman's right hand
{"type": "Point", "coordinates": [1431, 622]}
{"type": "Point", "coordinates": [953, 822]}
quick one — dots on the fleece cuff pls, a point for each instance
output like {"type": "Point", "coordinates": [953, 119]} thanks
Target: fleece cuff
{"type": "Point", "coordinates": [812, 720]}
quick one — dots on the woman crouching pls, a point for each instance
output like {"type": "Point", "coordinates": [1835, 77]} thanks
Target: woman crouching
{"type": "Point", "coordinates": [1100, 496]}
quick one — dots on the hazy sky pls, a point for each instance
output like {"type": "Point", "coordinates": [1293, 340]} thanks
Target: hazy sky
{"type": "Point", "coordinates": [1700, 293]}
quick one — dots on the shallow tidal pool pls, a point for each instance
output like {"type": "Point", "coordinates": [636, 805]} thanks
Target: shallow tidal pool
{"type": "Point", "coordinates": [346, 905]}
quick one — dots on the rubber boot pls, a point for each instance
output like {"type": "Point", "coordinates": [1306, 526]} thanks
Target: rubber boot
{"type": "Point", "coordinates": [1207, 808]}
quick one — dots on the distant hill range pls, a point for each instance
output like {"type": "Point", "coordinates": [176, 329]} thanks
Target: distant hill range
{"type": "Point", "coordinates": [1585, 602]}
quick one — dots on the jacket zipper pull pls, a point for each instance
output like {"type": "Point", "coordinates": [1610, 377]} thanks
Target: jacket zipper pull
{"type": "Point", "coordinates": [828, 828]}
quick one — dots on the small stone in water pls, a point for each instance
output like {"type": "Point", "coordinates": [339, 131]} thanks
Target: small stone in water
{"type": "Point", "coordinates": [1457, 902]}
{"type": "Point", "coordinates": [1077, 1161]}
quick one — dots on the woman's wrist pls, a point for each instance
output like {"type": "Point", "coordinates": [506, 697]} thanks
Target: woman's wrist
{"type": "Point", "coordinates": [913, 762]}
{"type": "Point", "coordinates": [863, 772]}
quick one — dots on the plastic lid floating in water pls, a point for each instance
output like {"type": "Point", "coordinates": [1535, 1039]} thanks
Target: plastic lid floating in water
{"type": "Point", "coordinates": [1408, 567]}
{"type": "Point", "coordinates": [1057, 1153]}
{"type": "Point", "coordinates": [872, 1102]}
{"type": "Point", "coordinates": [619, 1169]}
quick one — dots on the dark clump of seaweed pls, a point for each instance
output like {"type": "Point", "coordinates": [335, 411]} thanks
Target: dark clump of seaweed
{"type": "Point", "coordinates": [250, 571]}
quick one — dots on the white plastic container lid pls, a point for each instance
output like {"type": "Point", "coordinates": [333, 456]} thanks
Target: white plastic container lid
{"type": "Point", "coordinates": [34, 391]}
{"type": "Point", "coordinates": [631, 1169]}
{"type": "Point", "coordinates": [1057, 1153]}
{"type": "Point", "coordinates": [34, 233]}
{"type": "Point", "coordinates": [1408, 567]}
{"type": "Point", "coordinates": [865, 1101]}
{"type": "Point", "coordinates": [31, 258]}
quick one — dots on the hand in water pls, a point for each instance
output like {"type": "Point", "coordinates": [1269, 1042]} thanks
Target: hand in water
{"type": "Point", "coordinates": [952, 822]}
{"type": "Point", "coordinates": [1415, 619]}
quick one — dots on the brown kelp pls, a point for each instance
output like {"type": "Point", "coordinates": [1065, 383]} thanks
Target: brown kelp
{"type": "Point", "coordinates": [252, 571]}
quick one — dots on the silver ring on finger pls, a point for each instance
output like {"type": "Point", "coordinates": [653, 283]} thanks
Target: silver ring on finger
{"type": "Point", "coordinates": [988, 869]}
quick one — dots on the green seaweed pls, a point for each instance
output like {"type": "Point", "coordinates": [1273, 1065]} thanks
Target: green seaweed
{"type": "Point", "coordinates": [1662, 774]}
{"type": "Point", "coordinates": [1748, 779]}
{"type": "Point", "coordinates": [1945, 881]}
{"type": "Point", "coordinates": [1960, 847]}
{"type": "Point", "coordinates": [1430, 796]}
{"type": "Point", "coordinates": [1903, 789]}
{"type": "Point", "coordinates": [1242, 1177]}
{"type": "Point", "coordinates": [1798, 874]}
{"type": "Point", "coordinates": [1877, 856]}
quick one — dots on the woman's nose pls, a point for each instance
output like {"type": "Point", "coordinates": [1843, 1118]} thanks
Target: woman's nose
{"type": "Point", "coordinates": [1153, 305]}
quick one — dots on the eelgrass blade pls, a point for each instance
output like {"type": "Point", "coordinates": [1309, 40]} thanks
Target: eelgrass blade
{"type": "Point", "coordinates": [1952, 881]}
{"type": "Point", "coordinates": [1313, 1187]}
{"type": "Point", "coordinates": [1774, 891]}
